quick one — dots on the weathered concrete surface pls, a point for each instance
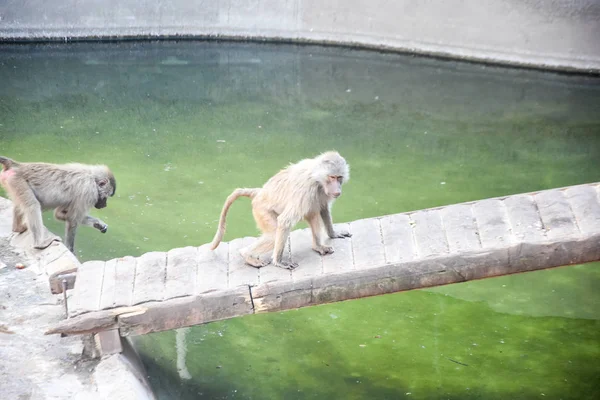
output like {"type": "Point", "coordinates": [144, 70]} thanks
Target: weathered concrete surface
{"type": "Point", "coordinates": [560, 34]}
{"type": "Point", "coordinates": [35, 366]}
{"type": "Point", "coordinates": [122, 376]}
{"type": "Point", "coordinates": [424, 248]}
{"type": "Point", "coordinates": [56, 261]}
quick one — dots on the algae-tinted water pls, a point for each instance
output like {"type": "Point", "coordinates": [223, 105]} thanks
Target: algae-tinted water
{"type": "Point", "coordinates": [182, 124]}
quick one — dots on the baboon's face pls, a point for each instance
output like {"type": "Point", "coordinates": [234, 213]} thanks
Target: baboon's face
{"type": "Point", "coordinates": [106, 189]}
{"type": "Point", "coordinates": [101, 203]}
{"type": "Point", "coordinates": [333, 186]}
{"type": "Point", "coordinates": [336, 172]}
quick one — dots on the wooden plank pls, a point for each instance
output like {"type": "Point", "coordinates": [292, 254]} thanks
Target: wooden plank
{"type": "Point", "coordinates": [461, 230]}
{"type": "Point", "coordinates": [182, 271]}
{"type": "Point", "coordinates": [91, 322]}
{"type": "Point", "coordinates": [351, 285]}
{"type": "Point", "coordinates": [342, 258]}
{"type": "Point", "coordinates": [310, 263]}
{"type": "Point", "coordinates": [367, 243]}
{"type": "Point", "coordinates": [213, 268]}
{"type": "Point", "coordinates": [421, 273]}
{"type": "Point", "coordinates": [429, 233]}
{"type": "Point", "coordinates": [150, 275]}
{"type": "Point", "coordinates": [398, 240]}
{"type": "Point", "coordinates": [56, 282]}
{"type": "Point", "coordinates": [524, 218]}
{"type": "Point", "coordinates": [187, 311]}
{"type": "Point", "coordinates": [556, 214]}
{"type": "Point", "coordinates": [271, 273]}
{"type": "Point", "coordinates": [241, 273]}
{"type": "Point", "coordinates": [586, 207]}
{"type": "Point", "coordinates": [492, 223]}
{"type": "Point", "coordinates": [86, 323]}
{"type": "Point", "coordinates": [107, 297]}
{"type": "Point", "coordinates": [277, 296]}
{"type": "Point", "coordinates": [88, 287]}
{"type": "Point", "coordinates": [56, 270]}
{"type": "Point", "coordinates": [125, 278]}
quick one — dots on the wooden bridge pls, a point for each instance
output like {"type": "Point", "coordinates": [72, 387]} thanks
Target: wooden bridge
{"type": "Point", "coordinates": [194, 285]}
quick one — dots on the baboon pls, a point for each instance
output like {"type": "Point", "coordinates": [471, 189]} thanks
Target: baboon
{"type": "Point", "coordinates": [305, 190]}
{"type": "Point", "coordinates": [71, 189]}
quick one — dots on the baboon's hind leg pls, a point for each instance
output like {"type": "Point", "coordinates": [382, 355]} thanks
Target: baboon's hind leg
{"type": "Point", "coordinates": [31, 210]}
{"type": "Point", "coordinates": [284, 226]}
{"type": "Point", "coordinates": [70, 231]}
{"type": "Point", "coordinates": [258, 253]}
{"type": "Point", "coordinates": [18, 224]}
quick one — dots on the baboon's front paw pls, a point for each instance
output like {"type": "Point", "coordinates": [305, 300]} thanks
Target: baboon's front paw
{"type": "Point", "coordinates": [322, 250]}
{"type": "Point", "coordinates": [286, 265]}
{"type": "Point", "coordinates": [342, 235]}
{"type": "Point", "coordinates": [101, 227]}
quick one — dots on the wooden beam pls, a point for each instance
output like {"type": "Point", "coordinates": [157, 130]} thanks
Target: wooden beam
{"type": "Point", "coordinates": [186, 311]}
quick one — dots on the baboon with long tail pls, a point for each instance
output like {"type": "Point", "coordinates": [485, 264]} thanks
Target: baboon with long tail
{"type": "Point", "coordinates": [71, 189]}
{"type": "Point", "coordinates": [305, 190]}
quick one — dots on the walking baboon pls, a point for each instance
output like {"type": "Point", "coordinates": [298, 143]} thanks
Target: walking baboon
{"type": "Point", "coordinates": [306, 190]}
{"type": "Point", "coordinates": [71, 189]}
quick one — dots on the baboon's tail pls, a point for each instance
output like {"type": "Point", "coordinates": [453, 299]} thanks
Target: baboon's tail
{"type": "Point", "coordinates": [232, 197]}
{"type": "Point", "coordinates": [7, 163]}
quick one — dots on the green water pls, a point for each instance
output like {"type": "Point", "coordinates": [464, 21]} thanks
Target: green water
{"type": "Point", "coordinates": [182, 124]}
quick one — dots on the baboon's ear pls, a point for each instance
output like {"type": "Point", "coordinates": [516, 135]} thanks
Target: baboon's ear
{"type": "Point", "coordinates": [102, 182]}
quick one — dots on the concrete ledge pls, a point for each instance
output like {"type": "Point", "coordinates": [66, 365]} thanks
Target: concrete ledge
{"type": "Point", "coordinates": [122, 375]}
{"type": "Point", "coordinates": [54, 365]}
{"type": "Point", "coordinates": [56, 261]}
{"type": "Point", "coordinates": [555, 34]}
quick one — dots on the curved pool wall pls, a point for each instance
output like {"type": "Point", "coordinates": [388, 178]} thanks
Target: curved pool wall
{"type": "Point", "coordinates": [553, 34]}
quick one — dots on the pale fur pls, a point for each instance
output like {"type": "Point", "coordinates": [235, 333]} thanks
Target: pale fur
{"type": "Point", "coordinates": [71, 189]}
{"type": "Point", "coordinates": [294, 193]}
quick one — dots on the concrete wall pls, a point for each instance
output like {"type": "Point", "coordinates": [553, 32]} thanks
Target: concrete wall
{"type": "Point", "coordinates": [562, 34]}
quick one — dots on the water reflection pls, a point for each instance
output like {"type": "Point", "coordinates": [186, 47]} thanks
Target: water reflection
{"type": "Point", "coordinates": [181, 345]}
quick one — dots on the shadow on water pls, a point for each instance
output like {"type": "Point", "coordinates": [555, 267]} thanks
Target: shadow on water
{"type": "Point", "coordinates": [182, 124]}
